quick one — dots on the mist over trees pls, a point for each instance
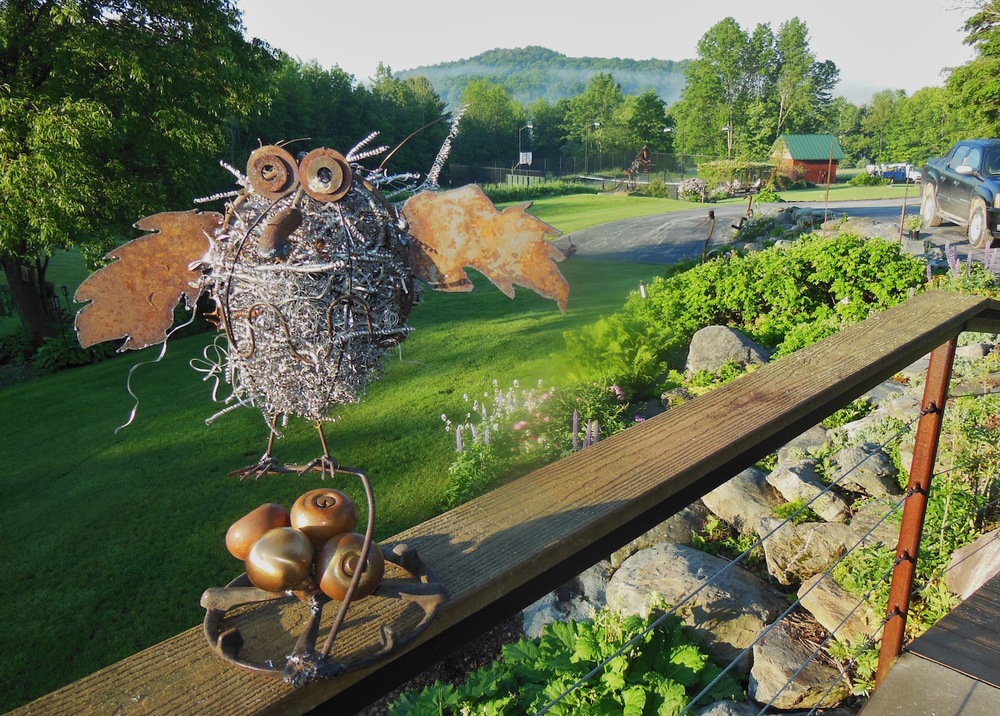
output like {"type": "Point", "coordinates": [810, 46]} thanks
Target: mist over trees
{"type": "Point", "coordinates": [531, 73]}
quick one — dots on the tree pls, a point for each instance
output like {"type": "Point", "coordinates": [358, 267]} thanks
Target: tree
{"type": "Point", "coordinates": [644, 118]}
{"type": "Point", "coordinates": [876, 121]}
{"type": "Point", "coordinates": [409, 115]}
{"type": "Point", "coordinates": [743, 90]}
{"type": "Point", "coordinates": [489, 126]}
{"type": "Point", "coordinates": [593, 111]}
{"type": "Point", "coordinates": [922, 126]}
{"type": "Point", "coordinates": [794, 81]}
{"type": "Point", "coordinates": [110, 110]}
{"type": "Point", "coordinates": [973, 88]}
{"type": "Point", "coordinates": [310, 103]}
{"type": "Point", "coordinates": [846, 126]}
{"type": "Point", "coordinates": [548, 139]}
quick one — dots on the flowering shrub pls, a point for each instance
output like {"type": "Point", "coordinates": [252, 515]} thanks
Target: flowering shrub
{"type": "Point", "coordinates": [693, 190]}
{"type": "Point", "coordinates": [508, 432]}
{"type": "Point", "coordinates": [507, 420]}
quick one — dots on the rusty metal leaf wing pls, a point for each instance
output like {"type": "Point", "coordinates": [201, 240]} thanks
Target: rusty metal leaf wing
{"type": "Point", "coordinates": [461, 228]}
{"type": "Point", "coordinates": [134, 297]}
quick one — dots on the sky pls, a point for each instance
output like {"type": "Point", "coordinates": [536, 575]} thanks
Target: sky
{"type": "Point", "coordinates": [876, 44]}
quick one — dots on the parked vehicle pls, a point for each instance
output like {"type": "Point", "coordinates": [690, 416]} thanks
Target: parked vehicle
{"type": "Point", "coordinates": [898, 172]}
{"type": "Point", "coordinates": [963, 186]}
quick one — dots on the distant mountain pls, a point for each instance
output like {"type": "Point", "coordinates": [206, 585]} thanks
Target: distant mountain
{"type": "Point", "coordinates": [532, 72]}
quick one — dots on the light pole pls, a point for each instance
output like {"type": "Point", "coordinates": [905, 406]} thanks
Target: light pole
{"type": "Point", "coordinates": [520, 154]}
{"type": "Point", "coordinates": [596, 126]}
{"type": "Point", "coordinates": [728, 129]}
{"type": "Point", "coordinates": [678, 159]}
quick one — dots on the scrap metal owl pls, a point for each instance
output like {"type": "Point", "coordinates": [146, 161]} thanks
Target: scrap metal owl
{"type": "Point", "coordinates": [312, 272]}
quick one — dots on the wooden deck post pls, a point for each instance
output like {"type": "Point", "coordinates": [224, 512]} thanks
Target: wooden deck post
{"type": "Point", "coordinates": [918, 489]}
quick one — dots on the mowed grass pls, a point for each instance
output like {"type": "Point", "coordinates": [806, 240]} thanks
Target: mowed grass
{"type": "Point", "coordinates": [109, 539]}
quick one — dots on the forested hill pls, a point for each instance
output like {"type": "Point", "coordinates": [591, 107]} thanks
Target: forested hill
{"type": "Point", "coordinates": [532, 72]}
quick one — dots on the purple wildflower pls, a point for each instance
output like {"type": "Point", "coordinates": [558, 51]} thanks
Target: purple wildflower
{"type": "Point", "coordinates": [990, 259]}
{"type": "Point", "coordinates": [954, 263]}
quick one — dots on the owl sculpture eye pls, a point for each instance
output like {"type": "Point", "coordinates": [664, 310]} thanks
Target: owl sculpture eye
{"type": "Point", "coordinates": [326, 175]}
{"type": "Point", "coordinates": [272, 172]}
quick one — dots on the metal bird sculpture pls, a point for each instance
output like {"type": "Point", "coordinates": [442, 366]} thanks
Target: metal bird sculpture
{"type": "Point", "coordinates": [312, 271]}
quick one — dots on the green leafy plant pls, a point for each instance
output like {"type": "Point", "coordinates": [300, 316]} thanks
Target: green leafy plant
{"type": "Point", "coordinates": [866, 179]}
{"type": "Point", "coordinates": [500, 193]}
{"type": "Point", "coordinates": [729, 370]}
{"type": "Point", "coordinates": [623, 349]}
{"type": "Point", "coordinates": [722, 540]}
{"type": "Point", "coordinates": [856, 410]}
{"type": "Point", "coordinates": [507, 432]}
{"type": "Point", "coordinates": [860, 659]}
{"type": "Point", "coordinates": [797, 511]}
{"type": "Point", "coordinates": [61, 352]}
{"type": "Point", "coordinates": [659, 674]}
{"type": "Point", "coordinates": [16, 347]}
{"type": "Point", "coordinates": [768, 195]}
{"type": "Point", "coordinates": [658, 189]}
{"type": "Point", "coordinates": [476, 470]}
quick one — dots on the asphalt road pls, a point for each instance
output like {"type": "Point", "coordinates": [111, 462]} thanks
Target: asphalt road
{"type": "Point", "coordinates": [668, 238]}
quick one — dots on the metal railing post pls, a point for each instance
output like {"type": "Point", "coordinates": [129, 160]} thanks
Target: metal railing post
{"type": "Point", "coordinates": [918, 489]}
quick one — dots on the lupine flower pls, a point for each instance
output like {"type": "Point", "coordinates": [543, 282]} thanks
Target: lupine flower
{"type": "Point", "coordinates": [954, 263]}
{"type": "Point", "coordinates": [990, 259]}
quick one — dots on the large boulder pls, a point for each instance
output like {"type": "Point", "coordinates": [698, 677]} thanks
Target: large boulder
{"type": "Point", "coordinates": [713, 346]}
{"type": "Point", "coordinates": [974, 564]}
{"type": "Point", "coordinates": [743, 500]}
{"type": "Point", "coordinates": [678, 529]}
{"type": "Point", "coordinates": [729, 607]}
{"type": "Point", "coordinates": [870, 526]}
{"type": "Point", "coordinates": [863, 226]}
{"type": "Point", "coordinates": [727, 708]}
{"type": "Point", "coordinates": [576, 600]}
{"type": "Point", "coordinates": [815, 438]}
{"type": "Point", "coordinates": [866, 468]}
{"type": "Point", "coordinates": [800, 481]}
{"type": "Point", "coordinates": [796, 552]}
{"type": "Point", "coordinates": [786, 675]}
{"type": "Point", "coordinates": [836, 609]}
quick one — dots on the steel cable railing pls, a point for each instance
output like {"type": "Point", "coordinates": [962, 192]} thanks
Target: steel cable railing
{"type": "Point", "coordinates": [740, 558]}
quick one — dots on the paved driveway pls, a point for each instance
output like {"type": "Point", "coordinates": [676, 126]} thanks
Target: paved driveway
{"type": "Point", "coordinates": [668, 238]}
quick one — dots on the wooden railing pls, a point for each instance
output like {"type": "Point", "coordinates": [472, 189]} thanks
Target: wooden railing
{"type": "Point", "coordinates": [499, 553]}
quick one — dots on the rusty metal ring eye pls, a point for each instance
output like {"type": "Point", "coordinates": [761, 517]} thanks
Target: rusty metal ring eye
{"type": "Point", "coordinates": [326, 175]}
{"type": "Point", "coordinates": [272, 172]}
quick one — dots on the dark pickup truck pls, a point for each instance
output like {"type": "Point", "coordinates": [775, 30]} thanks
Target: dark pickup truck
{"type": "Point", "coordinates": [964, 186]}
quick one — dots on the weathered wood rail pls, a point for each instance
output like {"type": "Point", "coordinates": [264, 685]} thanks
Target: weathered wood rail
{"type": "Point", "coordinates": [504, 550]}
